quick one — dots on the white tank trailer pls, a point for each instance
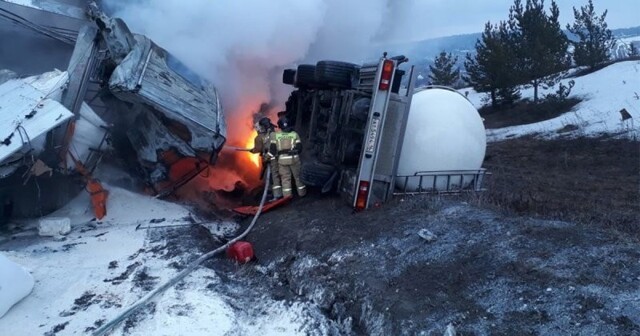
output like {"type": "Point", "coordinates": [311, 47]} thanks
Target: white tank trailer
{"type": "Point", "coordinates": [444, 144]}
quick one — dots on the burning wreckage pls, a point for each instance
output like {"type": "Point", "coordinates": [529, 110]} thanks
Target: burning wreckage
{"type": "Point", "coordinates": [121, 91]}
{"type": "Point", "coordinates": [366, 135]}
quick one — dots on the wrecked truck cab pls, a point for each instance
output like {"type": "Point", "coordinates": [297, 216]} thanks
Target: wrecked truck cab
{"type": "Point", "coordinates": [151, 76]}
{"type": "Point", "coordinates": [31, 180]}
{"type": "Point", "coordinates": [179, 127]}
{"type": "Point", "coordinates": [170, 116]}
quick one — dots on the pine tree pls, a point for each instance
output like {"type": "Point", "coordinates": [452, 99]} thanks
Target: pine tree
{"type": "Point", "coordinates": [595, 38]}
{"type": "Point", "coordinates": [633, 50]}
{"type": "Point", "coordinates": [539, 41]}
{"type": "Point", "coordinates": [444, 71]}
{"type": "Point", "coordinates": [491, 68]}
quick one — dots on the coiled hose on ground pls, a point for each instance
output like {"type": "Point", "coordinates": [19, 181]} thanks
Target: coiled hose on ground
{"type": "Point", "coordinates": [145, 299]}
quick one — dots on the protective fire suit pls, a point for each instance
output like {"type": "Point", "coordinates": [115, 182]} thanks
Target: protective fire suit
{"type": "Point", "coordinates": [286, 147]}
{"type": "Point", "coordinates": [261, 145]}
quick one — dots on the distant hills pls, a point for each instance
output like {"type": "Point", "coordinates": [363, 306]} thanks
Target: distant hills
{"type": "Point", "coordinates": [421, 53]}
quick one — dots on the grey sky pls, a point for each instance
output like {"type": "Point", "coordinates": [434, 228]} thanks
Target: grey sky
{"type": "Point", "coordinates": [433, 18]}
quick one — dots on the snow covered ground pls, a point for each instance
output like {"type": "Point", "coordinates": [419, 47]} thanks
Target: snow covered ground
{"type": "Point", "coordinates": [101, 268]}
{"type": "Point", "coordinates": [605, 93]}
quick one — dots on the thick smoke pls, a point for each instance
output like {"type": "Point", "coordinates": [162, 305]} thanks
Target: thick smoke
{"type": "Point", "coordinates": [242, 46]}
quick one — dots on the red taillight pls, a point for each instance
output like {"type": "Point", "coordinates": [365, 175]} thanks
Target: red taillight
{"type": "Point", "coordinates": [387, 73]}
{"type": "Point", "coordinates": [363, 194]}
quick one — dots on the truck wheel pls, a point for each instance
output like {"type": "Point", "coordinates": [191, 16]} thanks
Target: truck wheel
{"type": "Point", "coordinates": [289, 76]}
{"type": "Point", "coordinates": [305, 77]}
{"type": "Point", "coordinates": [316, 174]}
{"type": "Point", "coordinates": [335, 74]}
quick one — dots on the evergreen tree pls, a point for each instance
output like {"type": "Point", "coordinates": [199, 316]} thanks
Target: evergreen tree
{"type": "Point", "coordinates": [444, 71]}
{"type": "Point", "coordinates": [595, 38]}
{"type": "Point", "coordinates": [539, 42]}
{"type": "Point", "coordinates": [633, 50]}
{"type": "Point", "coordinates": [491, 69]}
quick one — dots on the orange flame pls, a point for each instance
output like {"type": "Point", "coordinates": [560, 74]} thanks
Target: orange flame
{"type": "Point", "coordinates": [236, 174]}
{"type": "Point", "coordinates": [253, 157]}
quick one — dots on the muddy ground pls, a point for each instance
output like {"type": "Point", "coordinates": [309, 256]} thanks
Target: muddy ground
{"type": "Point", "coordinates": [552, 249]}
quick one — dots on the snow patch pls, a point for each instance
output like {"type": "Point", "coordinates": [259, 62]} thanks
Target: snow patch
{"type": "Point", "coordinates": [605, 92]}
{"type": "Point", "coordinates": [15, 284]}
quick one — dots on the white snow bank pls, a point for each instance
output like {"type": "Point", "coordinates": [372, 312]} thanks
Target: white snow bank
{"type": "Point", "coordinates": [605, 93]}
{"type": "Point", "coordinates": [15, 284]}
{"type": "Point", "coordinates": [123, 207]}
{"type": "Point", "coordinates": [87, 292]}
{"type": "Point", "coordinates": [67, 269]}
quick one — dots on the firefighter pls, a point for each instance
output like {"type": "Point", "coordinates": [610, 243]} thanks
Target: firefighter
{"type": "Point", "coordinates": [286, 147]}
{"type": "Point", "coordinates": [261, 143]}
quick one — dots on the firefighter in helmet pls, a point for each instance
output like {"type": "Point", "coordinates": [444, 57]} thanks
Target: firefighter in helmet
{"type": "Point", "coordinates": [261, 144]}
{"type": "Point", "coordinates": [286, 147]}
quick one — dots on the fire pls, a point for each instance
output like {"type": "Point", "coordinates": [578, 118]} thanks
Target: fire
{"type": "Point", "coordinates": [253, 157]}
{"type": "Point", "coordinates": [235, 176]}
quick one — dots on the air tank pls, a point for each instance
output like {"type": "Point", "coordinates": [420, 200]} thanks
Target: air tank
{"type": "Point", "coordinates": [445, 135]}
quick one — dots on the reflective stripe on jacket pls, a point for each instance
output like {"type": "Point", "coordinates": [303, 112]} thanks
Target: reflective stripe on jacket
{"type": "Point", "coordinates": [285, 141]}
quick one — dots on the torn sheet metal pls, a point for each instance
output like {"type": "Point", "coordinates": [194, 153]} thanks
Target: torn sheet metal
{"type": "Point", "coordinates": [58, 19]}
{"type": "Point", "coordinates": [152, 76]}
{"type": "Point", "coordinates": [28, 110]}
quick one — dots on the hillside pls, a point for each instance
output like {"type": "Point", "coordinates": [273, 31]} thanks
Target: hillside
{"type": "Point", "coordinates": [604, 94]}
{"type": "Point", "coordinates": [422, 53]}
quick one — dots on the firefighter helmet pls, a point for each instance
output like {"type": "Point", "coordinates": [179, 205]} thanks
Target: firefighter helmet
{"type": "Point", "coordinates": [265, 123]}
{"type": "Point", "coordinates": [258, 127]}
{"type": "Point", "coordinates": [284, 124]}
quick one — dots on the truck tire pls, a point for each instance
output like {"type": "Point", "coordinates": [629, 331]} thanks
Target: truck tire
{"type": "Point", "coordinates": [335, 74]}
{"type": "Point", "coordinates": [289, 76]}
{"type": "Point", "coordinates": [305, 77]}
{"type": "Point", "coordinates": [316, 174]}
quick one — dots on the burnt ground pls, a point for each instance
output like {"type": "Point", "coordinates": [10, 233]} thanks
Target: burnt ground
{"type": "Point", "coordinates": [551, 249]}
{"type": "Point", "coordinates": [487, 273]}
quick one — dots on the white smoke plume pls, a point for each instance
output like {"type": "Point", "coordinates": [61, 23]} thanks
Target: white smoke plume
{"type": "Point", "coordinates": [242, 46]}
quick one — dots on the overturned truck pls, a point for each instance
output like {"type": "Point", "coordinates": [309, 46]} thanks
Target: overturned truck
{"type": "Point", "coordinates": [121, 92]}
{"type": "Point", "coordinates": [352, 120]}
{"type": "Point", "coordinates": [369, 135]}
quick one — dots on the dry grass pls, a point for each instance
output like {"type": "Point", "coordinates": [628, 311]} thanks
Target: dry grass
{"type": "Point", "coordinates": [589, 181]}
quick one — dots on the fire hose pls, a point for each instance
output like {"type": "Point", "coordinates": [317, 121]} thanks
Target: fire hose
{"type": "Point", "coordinates": [169, 283]}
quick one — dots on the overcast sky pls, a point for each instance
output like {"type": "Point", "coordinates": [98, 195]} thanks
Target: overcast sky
{"type": "Point", "coordinates": [435, 18]}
